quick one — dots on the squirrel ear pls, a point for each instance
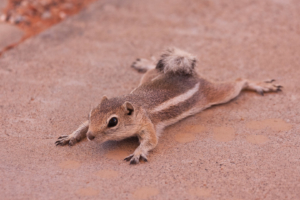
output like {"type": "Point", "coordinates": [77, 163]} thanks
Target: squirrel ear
{"type": "Point", "coordinates": [104, 98]}
{"type": "Point", "coordinates": [128, 108]}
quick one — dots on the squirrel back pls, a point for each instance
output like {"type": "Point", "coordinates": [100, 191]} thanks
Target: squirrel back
{"type": "Point", "coordinates": [176, 61]}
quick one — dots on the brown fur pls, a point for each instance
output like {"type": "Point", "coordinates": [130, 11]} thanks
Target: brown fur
{"type": "Point", "coordinates": [166, 94]}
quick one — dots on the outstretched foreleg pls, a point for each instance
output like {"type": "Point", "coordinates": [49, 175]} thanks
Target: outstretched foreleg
{"type": "Point", "coordinates": [75, 137]}
{"type": "Point", "coordinates": [148, 141]}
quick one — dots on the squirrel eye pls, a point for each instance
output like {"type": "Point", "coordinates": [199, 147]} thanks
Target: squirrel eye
{"type": "Point", "coordinates": [113, 122]}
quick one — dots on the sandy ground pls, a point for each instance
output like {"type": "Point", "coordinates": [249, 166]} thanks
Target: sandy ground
{"type": "Point", "coordinates": [9, 35]}
{"type": "Point", "coordinates": [245, 150]}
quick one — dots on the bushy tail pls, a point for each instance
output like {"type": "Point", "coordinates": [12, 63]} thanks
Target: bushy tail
{"type": "Point", "coordinates": [176, 61]}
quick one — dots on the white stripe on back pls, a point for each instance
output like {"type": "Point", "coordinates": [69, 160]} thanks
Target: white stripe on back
{"type": "Point", "coordinates": [176, 100]}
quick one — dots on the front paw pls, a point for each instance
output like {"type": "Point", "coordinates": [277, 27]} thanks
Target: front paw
{"type": "Point", "coordinates": [65, 139]}
{"type": "Point", "coordinates": [135, 158]}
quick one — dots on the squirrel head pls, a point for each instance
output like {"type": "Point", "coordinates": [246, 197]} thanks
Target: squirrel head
{"type": "Point", "coordinates": [112, 119]}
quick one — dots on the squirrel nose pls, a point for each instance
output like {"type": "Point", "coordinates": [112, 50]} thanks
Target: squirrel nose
{"type": "Point", "coordinates": [90, 136]}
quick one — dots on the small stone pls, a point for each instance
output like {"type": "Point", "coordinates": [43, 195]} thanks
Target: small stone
{"type": "Point", "coordinates": [24, 3]}
{"type": "Point", "coordinates": [11, 19]}
{"type": "Point", "coordinates": [44, 2]}
{"type": "Point", "coordinates": [46, 15]}
{"type": "Point", "coordinates": [19, 19]}
{"type": "Point", "coordinates": [3, 17]}
{"type": "Point", "coordinates": [67, 6]}
{"type": "Point", "coordinates": [62, 15]}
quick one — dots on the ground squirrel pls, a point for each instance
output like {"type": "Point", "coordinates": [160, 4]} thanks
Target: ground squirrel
{"type": "Point", "coordinates": [168, 92]}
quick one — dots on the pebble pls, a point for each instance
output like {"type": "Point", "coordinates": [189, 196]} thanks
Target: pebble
{"type": "Point", "coordinates": [62, 15]}
{"type": "Point", "coordinates": [67, 6]}
{"type": "Point", "coordinates": [46, 15]}
{"type": "Point", "coordinates": [19, 19]}
{"type": "Point", "coordinates": [3, 17]}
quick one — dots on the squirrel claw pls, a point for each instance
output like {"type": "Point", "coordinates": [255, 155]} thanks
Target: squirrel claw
{"type": "Point", "coordinates": [270, 81]}
{"type": "Point", "coordinates": [144, 159]}
{"type": "Point", "coordinates": [62, 140]}
{"type": "Point", "coordinates": [128, 157]}
{"type": "Point", "coordinates": [267, 86]}
{"type": "Point", "coordinates": [261, 92]}
{"type": "Point", "coordinates": [135, 159]}
{"type": "Point", "coordinates": [63, 136]}
{"type": "Point", "coordinates": [278, 88]}
{"type": "Point", "coordinates": [58, 142]}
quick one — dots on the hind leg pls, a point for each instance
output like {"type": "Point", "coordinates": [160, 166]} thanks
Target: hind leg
{"type": "Point", "coordinates": [145, 66]}
{"type": "Point", "coordinates": [217, 93]}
